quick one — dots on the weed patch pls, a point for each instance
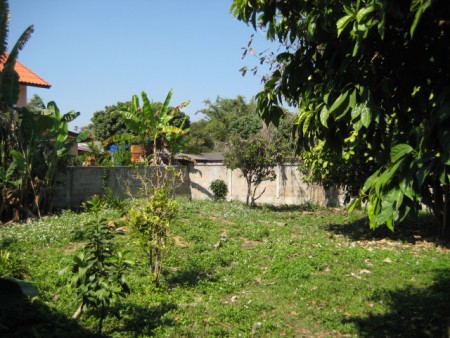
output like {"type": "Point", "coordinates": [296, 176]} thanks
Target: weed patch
{"type": "Point", "coordinates": [235, 271]}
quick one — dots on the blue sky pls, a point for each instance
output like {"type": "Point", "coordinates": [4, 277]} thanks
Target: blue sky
{"type": "Point", "coordinates": [98, 52]}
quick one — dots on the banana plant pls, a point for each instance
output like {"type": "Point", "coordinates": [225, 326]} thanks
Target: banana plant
{"type": "Point", "coordinates": [43, 149]}
{"type": "Point", "coordinates": [150, 124]}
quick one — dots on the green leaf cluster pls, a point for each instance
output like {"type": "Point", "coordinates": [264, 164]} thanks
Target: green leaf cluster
{"type": "Point", "coordinates": [151, 224]}
{"type": "Point", "coordinates": [367, 76]}
{"type": "Point", "coordinates": [98, 271]}
{"type": "Point", "coordinates": [219, 189]}
{"type": "Point", "coordinates": [254, 160]}
{"type": "Point", "coordinates": [154, 126]}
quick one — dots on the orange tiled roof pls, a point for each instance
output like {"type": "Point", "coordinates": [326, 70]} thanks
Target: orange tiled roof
{"type": "Point", "coordinates": [27, 77]}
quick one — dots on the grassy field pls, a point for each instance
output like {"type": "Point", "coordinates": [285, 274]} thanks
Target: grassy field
{"type": "Point", "coordinates": [292, 272]}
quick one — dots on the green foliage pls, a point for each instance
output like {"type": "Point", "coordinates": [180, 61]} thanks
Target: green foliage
{"type": "Point", "coordinates": [41, 148]}
{"type": "Point", "coordinates": [151, 223]}
{"type": "Point", "coordinates": [367, 77]}
{"type": "Point", "coordinates": [98, 279]}
{"type": "Point", "coordinates": [200, 137]}
{"type": "Point", "coordinates": [11, 266]}
{"type": "Point", "coordinates": [9, 91]}
{"type": "Point", "coordinates": [223, 118]}
{"type": "Point", "coordinates": [109, 122]}
{"type": "Point", "coordinates": [153, 126]}
{"type": "Point", "coordinates": [219, 189]}
{"type": "Point", "coordinates": [255, 163]}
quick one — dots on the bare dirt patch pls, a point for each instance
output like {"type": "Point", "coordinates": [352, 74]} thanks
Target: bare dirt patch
{"type": "Point", "coordinates": [73, 247]}
{"type": "Point", "coordinates": [179, 241]}
{"type": "Point", "coordinates": [249, 244]}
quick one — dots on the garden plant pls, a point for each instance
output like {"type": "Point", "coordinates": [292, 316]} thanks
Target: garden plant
{"type": "Point", "coordinates": [151, 223]}
{"type": "Point", "coordinates": [219, 189]}
{"type": "Point", "coordinates": [98, 279]}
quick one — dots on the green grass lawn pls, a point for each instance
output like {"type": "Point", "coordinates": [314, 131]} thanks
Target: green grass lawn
{"type": "Point", "coordinates": [293, 272]}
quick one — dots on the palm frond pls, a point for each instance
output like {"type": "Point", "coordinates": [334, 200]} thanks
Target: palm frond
{"type": "Point", "coordinates": [12, 57]}
{"type": "Point", "coordinates": [4, 30]}
{"type": "Point", "coordinates": [148, 110]}
{"type": "Point", "coordinates": [165, 107]}
{"type": "Point", "coordinates": [70, 116]}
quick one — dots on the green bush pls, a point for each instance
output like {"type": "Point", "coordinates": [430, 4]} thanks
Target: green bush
{"type": "Point", "coordinates": [151, 224]}
{"type": "Point", "coordinates": [98, 270]}
{"type": "Point", "coordinates": [219, 189]}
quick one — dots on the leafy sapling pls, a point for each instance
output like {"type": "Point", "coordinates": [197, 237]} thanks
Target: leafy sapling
{"type": "Point", "coordinates": [150, 224]}
{"type": "Point", "coordinates": [98, 279]}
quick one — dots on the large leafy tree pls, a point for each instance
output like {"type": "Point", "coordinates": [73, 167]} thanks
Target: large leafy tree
{"type": "Point", "coordinates": [231, 116]}
{"type": "Point", "coordinates": [109, 121]}
{"type": "Point", "coordinates": [222, 119]}
{"type": "Point", "coordinates": [200, 138]}
{"type": "Point", "coordinates": [371, 80]}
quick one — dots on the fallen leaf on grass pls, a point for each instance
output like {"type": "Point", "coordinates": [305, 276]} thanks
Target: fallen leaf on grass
{"type": "Point", "coordinates": [387, 260]}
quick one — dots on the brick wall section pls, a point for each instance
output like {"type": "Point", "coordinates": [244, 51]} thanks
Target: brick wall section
{"type": "Point", "coordinates": [77, 184]}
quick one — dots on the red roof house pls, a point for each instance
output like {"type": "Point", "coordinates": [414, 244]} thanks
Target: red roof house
{"type": "Point", "coordinates": [27, 78]}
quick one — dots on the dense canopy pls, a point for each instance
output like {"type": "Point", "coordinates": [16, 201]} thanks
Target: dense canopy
{"type": "Point", "coordinates": [371, 80]}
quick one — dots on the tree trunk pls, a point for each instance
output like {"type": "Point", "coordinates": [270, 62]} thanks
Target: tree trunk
{"type": "Point", "coordinates": [249, 190]}
{"type": "Point", "coordinates": [150, 262]}
{"type": "Point", "coordinates": [157, 266]}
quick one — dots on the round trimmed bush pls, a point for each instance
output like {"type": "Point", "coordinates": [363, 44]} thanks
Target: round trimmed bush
{"type": "Point", "coordinates": [219, 189]}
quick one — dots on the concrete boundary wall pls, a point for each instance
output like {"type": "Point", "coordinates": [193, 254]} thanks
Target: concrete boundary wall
{"type": "Point", "coordinates": [77, 184]}
{"type": "Point", "coordinates": [287, 188]}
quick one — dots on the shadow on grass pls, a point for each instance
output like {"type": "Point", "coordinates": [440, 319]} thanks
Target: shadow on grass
{"type": "Point", "coordinates": [190, 276]}
{"type": "Point", "coordinates": [414, 312]}
{"type": "Point", "coordinates": [308, 206]}
{"type": "Point", "coordinates": [412, 230]}
{"type": "Point", "coordinates": [142, 321]}
{"type": "Point", "coordinates": [35, 319]}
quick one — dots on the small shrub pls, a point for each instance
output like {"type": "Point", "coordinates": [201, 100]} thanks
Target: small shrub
{"type": "Point", "coordinates": [98, 279]}
{"type": "Point", "coordinates": [151, 225]}
{"type": "Point", "coordinates": [219, 189]}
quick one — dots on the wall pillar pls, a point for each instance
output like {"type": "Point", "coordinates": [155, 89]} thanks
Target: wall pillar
{"type": "Point", "coordinates": [230, 182]}
{"type": "Point", "coordinates": [279, 182]}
